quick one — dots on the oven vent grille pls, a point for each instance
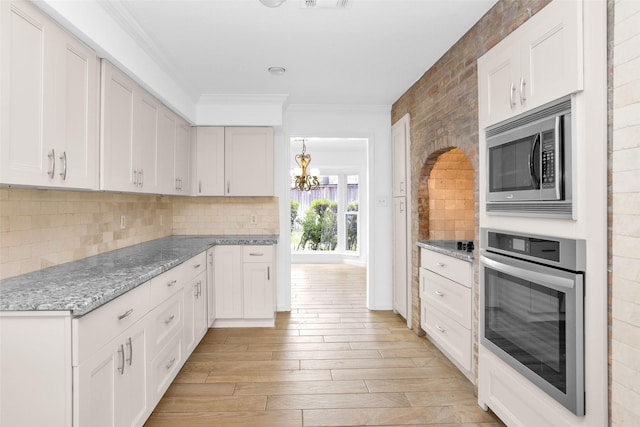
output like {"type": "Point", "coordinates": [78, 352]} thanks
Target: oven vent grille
{"type": "Point", "coordinates": [547, 209]}
{"type": "Point", "coordinates": [530, 117]}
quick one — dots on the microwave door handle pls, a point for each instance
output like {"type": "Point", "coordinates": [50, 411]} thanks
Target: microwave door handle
{"type": "Point", "coordinates": [559, 161]}
{"type": "Point", "coordinates": [535, 180]}
{"type": "Point", "coordinates": [530, 275]}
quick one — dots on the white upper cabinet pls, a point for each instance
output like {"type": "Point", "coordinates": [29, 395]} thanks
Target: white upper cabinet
{"type": "Point", "coordinates": [48, 103]}
{"type": "Point", "coordinates": [181, 155]}
{"type": "Point", "coordinates": [144, 145]}
{"type": "Point", "coordinates": [146, 111]}
{"type": "Point", "coordinates": [539, 62]}
{"type": "Point", "coordinates": [248, 161]}
{"type": "Point", "coordinates": [116, 130]}
{"type": "Point", "coordinates": [208, 154]}
{"type": "Point", "coordinates": [233, 161]}
{"type": "Point", "coordinates": [167, 126]}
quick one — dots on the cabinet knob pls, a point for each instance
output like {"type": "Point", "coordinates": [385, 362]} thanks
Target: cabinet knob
{"type": "Point", "coordinates": [440, 294]}
{"type": "Point", "coordinates": [440, 328]}
{"type": "Point", "coordinates": [512, 93]}
{"type": "Point", "coordinates": [440, 264]}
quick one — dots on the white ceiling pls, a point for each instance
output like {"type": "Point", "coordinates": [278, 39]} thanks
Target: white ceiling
{"type": "Point", "coordinates": [367, 54]}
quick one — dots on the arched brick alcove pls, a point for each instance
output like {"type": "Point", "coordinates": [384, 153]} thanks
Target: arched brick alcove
{"type": "Point", "coordinates": [445, 197]}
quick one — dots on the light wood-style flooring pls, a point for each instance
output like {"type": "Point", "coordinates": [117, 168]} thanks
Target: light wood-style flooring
{"type": "Point", "coordinates": [330, 362]}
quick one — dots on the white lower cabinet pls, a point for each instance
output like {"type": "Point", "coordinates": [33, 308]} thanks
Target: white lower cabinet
{"type": "Point", "coordinates": [244, 286]}
{"type": "Point", "coordinates": [110, 386]}
{"type": "Point", "coordinates": [195, 311]}
{"type": "Point", "coordinates": [109, 347]}
{"type": "Point", "coordinates": [445, 305]}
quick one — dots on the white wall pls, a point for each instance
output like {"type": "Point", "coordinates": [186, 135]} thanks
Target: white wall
{"type": "Point", "coordinates": [374, 124]}
{"type": "Point", "coordinates": [625, 322]}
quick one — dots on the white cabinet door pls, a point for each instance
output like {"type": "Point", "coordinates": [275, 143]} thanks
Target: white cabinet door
{"type": "Point", "coordinates": [24, 77]}
{"type": "Point", "coordinates": [258, 290]}
{"type": "Point", "coordinates": [249, 161]}
{"type": "Point", "coordinates": [181, 155]}
{"type": "Point", "coordinates": [209, 161]}
{"type": "Point", "coordinates": [228, 282]}
{"type": "Point", "coordinates": [498, 73]}
{"type": "Point", "coordinates": [131, 382]}
{"type": "Point", "coordinates": [116, 142]}
{"type": "Point", "coordinates": [111, 384]}
{"type": "Point", "coordinates": [551, 54]}
{"type": "Point", "coordinates": [145, 139]}
{"type": "Point", "coordinates": [399, 141]}
{"type": "Point", "coordinates": [195, 306]}
{"type": "Point", "coordinates": [400, 256]}
{"type": "Point", "coordinates": [94, 392]}
{"type": "Point", "coordinates": [49, 103]}
{"type": "Point", "coordinates": [167, 134]}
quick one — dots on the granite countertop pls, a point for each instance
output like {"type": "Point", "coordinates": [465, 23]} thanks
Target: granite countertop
{"type": "Point", "coordinates": [83, 285]}
{"type": "Point", "coordinates": [447, 247]}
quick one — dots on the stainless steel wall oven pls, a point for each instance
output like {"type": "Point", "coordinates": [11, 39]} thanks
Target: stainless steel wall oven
{"type": "Point", "coordinates": [532, 309]}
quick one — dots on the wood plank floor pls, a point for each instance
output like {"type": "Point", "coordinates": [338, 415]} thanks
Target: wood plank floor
{"type": "Point", "coordinates": [330, 362]}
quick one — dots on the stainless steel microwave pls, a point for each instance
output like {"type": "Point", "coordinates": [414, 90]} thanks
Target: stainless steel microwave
{"type": "Point", "coordinates": [529, 163]}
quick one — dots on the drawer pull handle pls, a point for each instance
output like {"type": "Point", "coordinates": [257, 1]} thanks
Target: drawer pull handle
{"type": "Point", "coordinates": [440, 294]}
{"type": "Point", "coordinates": [125, 314]}
{"type": "Point", "coordinates": [440, 328]}
{"type": "Point", "coordinates": [171, 283]}
{"type": "Point", "coordinates": [170, 364]}
{"type": "Point", "coordinates": [440, 264]}
{"type": "Point", "coordinates": [197, 266]}
{"type": "Point", "coordinates": [256, 254]}
{"type": "Point", "coordinates": [169, 319]}
{"type": "Point", "coordinates": [121, 353]}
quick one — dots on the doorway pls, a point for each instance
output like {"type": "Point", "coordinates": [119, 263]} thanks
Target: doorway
{"type": "Point", "coordinates": [328, 223]}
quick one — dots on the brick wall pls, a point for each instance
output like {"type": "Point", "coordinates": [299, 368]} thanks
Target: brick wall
{"type": "Point", "coordinates": [443, 105]}
{"type": "Point", "coordinates": [625, 252]}
{"type": "Point", "coordinates": [42, 228]}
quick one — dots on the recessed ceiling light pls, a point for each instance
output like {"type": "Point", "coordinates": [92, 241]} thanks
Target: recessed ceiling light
{"type": "Point", "coordinates": [277, 71]}
{"type": "Point", "coordinates": [272, 3]}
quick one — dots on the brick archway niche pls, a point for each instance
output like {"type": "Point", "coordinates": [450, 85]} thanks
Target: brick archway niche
{"type": "Point", "coordinates": [445, 197]}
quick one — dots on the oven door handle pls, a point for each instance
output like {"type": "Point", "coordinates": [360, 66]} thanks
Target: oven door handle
{"type": "Point", "coordinates": [531, 274]}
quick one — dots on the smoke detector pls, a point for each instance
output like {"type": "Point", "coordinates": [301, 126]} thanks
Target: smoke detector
{"type": "Point", "coordinates": [325, 4]}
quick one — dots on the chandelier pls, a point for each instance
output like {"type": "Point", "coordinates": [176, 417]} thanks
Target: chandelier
{"type": "Point", "coordinates": [305, 182]}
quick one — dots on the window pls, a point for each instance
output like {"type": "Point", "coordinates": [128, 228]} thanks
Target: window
{"type": "Point", "coordinates": [326, 219]}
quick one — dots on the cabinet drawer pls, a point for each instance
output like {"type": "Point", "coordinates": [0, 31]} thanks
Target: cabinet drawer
{"type": "Point", "coordinates": [167, 284]}
{"type": "Point", "coordinates": [258, 253]}
{"type": "Point", "coordinates": [164, 368]}
{"type": "Point", "coordinates": [449, 334]}
{"type": "Point", "coordinates": [95, 329]}
{"type": "Point", "coordinates": [194, 266]}
{"type": "Point", "coordinates": [453, 299]}
{"type": "Point", "coordinates": [452, 268]}
{"type": "Point", "coordinates": [166, 320]}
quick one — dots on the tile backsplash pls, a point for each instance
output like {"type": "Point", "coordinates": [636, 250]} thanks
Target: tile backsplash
{"type": "Point", "coordinates": [42, 228]}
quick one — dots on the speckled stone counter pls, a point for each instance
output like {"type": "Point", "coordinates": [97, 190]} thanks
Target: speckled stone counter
{"type": "Point", "coordinates": [447, 247]}
{"type": "Point", "coordinates": [83, 285]}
